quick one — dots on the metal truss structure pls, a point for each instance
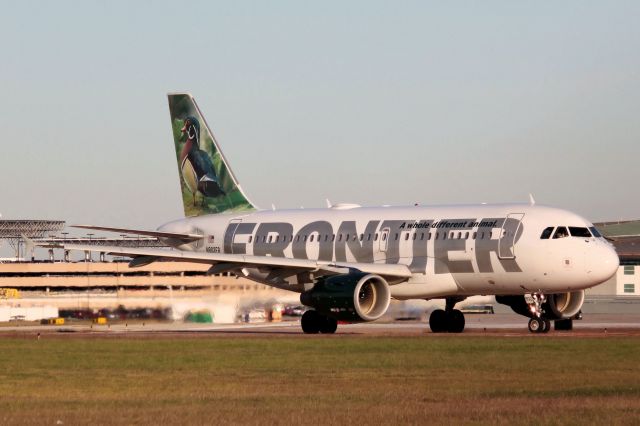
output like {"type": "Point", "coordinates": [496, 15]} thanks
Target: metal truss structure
{"type": "Point", "coordinates": [24, 234]}
{"type": "Point", "coordinates": [18, 232]}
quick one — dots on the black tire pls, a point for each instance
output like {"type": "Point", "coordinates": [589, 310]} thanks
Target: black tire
{"type": "Point", "coordinates": [455, 321]}
{"type": "Point", "coordinates": [328, 325]}
{"type": "Point", "coordinates": [564, 325]}
{"type": "Point", "coordinates": [310, 322]}
{"type": "Point", "coordinates": [535, 325]}
{"type": "Point", "coordinates": [546, 326]}
{"type": "Point", "coordinates": [438, 321]}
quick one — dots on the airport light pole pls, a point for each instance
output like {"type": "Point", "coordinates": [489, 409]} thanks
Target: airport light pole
{"type": "Point", "coordinates": [64, 242]}
{"type": "Point", "coordinates": [90, 235]}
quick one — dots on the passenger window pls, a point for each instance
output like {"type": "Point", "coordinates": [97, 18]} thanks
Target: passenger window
{"type": "Point", "coordinates": [406, 237]}
{"type": "Point", "coordinates": [466, 235]}
{"type": "Point", "coordinates": [437, 235]}
{"type": "Point", "coordinates": [375, 237]}
{"type": "Point", "coordinates": [384, 237]}
{"type": "Point", "coordinates": [333, 237]}
{"type": "Point", "coordinates": [270, 238]}
{"type": "Point", "coordinates": [250, 238]}
{"type": "Point", "coordinates": [546, 233]}
{"type": "Point", "coordinates": [561, 232]}
{"type": "Point", "coordinates": [305, 238]}
{"type": "Point", "coordinates": [422, 236]}
{"type": "Point", "coordinates": [475, 234]}
{"type": "Point", "coordinates": [415, 235]}
{"type": "Point", "coordinates": [297, 238]}
{"type": "Point", "coordinates": [429, 236]}
{"type": "Point", "coordinates": [311, 238]}
{"type": "Point", "coordinates": [339, 237]}
{"type": "Point", "coordinates": [369, 237]}
{"type": "Point", "coordinates": [361, 237]}
{"type": "Point", "coordinates": [576, 231]}
{"type": "Point", "coordinates": [396, 236]}
{"type": "Point", "coordinates": [444, 235]}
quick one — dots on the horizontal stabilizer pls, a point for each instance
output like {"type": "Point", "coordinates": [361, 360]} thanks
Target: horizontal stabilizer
{"type": "Point", "coordinates": [136, 262]}
{"type": "Point", "coordinates": [183, 237]}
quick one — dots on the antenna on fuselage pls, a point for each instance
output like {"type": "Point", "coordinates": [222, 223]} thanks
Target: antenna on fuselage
{"type": "Point", "coordinates": [329, 205]}
{"type": "Point", "coordinates": [532, 201]}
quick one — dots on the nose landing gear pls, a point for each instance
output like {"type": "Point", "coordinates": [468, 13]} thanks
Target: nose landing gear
{"type": "Point", "coordinates": [537, 324]}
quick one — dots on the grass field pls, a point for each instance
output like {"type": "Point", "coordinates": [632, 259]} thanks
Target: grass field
{"type": "Point", "coordinates": [319, 380]}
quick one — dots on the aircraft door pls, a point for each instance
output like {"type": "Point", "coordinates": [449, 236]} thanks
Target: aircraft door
{"type": "Point", "coordinates": [384, 240]}
{"type": "Point", "coordinates": [510, 228]}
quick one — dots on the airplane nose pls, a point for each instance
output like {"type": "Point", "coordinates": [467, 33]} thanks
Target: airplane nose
{"type": "Point", "coordinates": [603, 263]}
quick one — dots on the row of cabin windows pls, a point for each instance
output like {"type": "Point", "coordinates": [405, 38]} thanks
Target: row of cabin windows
{"type": "Point", "coordinates": [574, 231]}
{"type": "Point", "coordinates": [354, 237]}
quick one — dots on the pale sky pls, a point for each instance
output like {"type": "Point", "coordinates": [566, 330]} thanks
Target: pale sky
{"type": "Point", "coordinates": [363, 101]}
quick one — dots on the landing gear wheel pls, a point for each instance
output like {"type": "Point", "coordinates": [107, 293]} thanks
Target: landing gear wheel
{"type": "Point", "coordinates": [438, 321]}
{"type": "Point", "coordinates": [564, 324]}
{"type": "Point", "coordinates": [328, 325]}
{"type": "Point", "coordinates": [546, 326]}
{"type": "Point", "coordinates": [310, 322]}
{"type": "Point", "coordinates": [535, 325]}
{"type": "Point", "coordinates": [455, 323]}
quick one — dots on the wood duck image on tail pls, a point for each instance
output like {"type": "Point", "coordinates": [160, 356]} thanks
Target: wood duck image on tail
{"type": "Point", "coordinates": [196, 165]}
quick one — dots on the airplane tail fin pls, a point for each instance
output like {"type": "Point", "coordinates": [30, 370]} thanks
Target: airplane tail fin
{"type": "Point", "coordinates": [208, 185]}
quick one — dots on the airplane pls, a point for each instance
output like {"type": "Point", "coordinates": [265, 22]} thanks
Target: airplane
{"type": "Point", "coordinates": [348, 261]}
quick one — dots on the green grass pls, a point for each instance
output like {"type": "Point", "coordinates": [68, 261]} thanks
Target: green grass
{"type": "Point", "coordinates": [328, 379]}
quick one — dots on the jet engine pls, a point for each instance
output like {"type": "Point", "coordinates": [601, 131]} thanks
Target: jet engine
{"type": "Point", "coordinates": [355, 297]}
{"type": "Point", "coordinates": [557, 306]}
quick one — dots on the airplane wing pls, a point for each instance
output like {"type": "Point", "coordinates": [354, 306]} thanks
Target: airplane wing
{"type": "Point", "coordinates": [187, 238]}
{"type": "Point", "coordinates": [225, 262]}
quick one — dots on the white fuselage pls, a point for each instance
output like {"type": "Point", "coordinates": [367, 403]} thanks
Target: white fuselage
{"type": "Point", "coordinates": [450, 250]}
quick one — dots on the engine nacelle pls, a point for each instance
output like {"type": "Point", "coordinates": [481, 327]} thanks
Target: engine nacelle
{"type": "Point", "coordinates": [353, 297]}
{"type": "Point", "coordinates": [564, 305]}
{"type": "Point", "coordinates": [557, 306]}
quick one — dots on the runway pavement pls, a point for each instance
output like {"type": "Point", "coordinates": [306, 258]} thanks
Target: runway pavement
{"type": "Point", "coordinates": [476, 324]}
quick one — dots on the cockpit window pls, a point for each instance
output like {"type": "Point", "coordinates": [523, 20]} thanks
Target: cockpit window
{"type": "Point", "coordinates": [595, 232]}
{"type": "Point", "coordinates": [546, 233]}
{"type": "Point", "coordinates": [561, 232]}
{"type": "Point", "coordinates": [577, 231]}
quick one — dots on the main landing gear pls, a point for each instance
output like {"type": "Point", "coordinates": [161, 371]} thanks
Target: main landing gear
{"type": "Point", "coordinates": [537, 324]}
{"type": "Point", "coordinates": [313, 323]}
{"type": "Point", "coordinates": [448, 321]}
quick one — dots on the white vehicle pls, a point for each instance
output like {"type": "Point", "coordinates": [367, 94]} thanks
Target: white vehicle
{"type": "Point", "coordinates": [348, 261]}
